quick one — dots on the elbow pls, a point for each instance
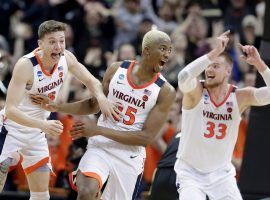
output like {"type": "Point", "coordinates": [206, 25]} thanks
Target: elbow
{"type": "Point", "coordinates": [9, 112]}
{"type": "Point", "coordinates": [147, 139]}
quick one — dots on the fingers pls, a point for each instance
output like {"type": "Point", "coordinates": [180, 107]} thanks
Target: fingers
{"type": "Point", "coordinates": [226, 33]}
{"type": "Point", "coordinates": [77, 130]}
{"type": "Point", "coordinates": [55, 127]}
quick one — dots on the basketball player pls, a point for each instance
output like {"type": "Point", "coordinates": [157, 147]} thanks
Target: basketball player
{"type": "Point", "coordinates": [211, 116]}
{"type": "Point", "coordinates": [115, 155]}
{"type": "Point", "coordinates": [24, 125]}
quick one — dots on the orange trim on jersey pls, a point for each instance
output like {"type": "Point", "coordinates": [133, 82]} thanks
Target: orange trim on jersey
{"type": "Point", "coordinates": [32, 168]}
{"type": "Point", "coordinates": [132, 64]}
{"type": "Point", "coordinates": [95, 176]}
{"type": "Point", "coordinates": [42, 66]}
{"type": "Point", "coordinates": [224, 100]}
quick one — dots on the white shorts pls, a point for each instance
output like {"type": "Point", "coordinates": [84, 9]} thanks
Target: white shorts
{"type": "Point", "coordinates": [32, 147]}
{"type": "Point", "coordinates": [220, 184]}
{"type": "Point", "coordinates": [120, 171]}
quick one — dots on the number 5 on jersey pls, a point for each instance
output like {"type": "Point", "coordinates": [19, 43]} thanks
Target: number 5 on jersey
{"type": "Point", "coordinates": [130, 113]}
{"type": "Point", "coordinates": [211, 132]}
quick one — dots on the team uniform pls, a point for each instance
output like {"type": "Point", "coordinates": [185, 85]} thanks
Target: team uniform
{"type": "Point", "coordinates": [119, 165]}
{"type": "Point", "coordinates": [29, 142]}
{"type": "Point", "coordinates": [209, 133]}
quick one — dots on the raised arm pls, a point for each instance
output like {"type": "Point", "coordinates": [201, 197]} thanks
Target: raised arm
{"type": "Point", "coordinates": [187, 78]}
{"type": "Point", "coordinates": [23, 74]}
{"type": "Point", "coordinates": [153, 123]}
{"type": "Point", "coordinates": [251, 96]}
{"type": "Point", "coordinates": [93, 84]}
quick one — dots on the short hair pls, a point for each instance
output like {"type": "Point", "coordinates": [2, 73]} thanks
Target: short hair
{"type": "Point", "coordinates": [50, 26]}
{"type": "Point", "coordinates": [227, 57]}
{"type": "Point", "coordinates": [153, 36]}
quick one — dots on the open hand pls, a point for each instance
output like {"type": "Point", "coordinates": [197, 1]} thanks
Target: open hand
{"type": "Point", "coordinates": [109, 109]}
{"type": "Point", "coordinates": [43, 101]}
{"type": "Point", "coordinates": [84, 129]}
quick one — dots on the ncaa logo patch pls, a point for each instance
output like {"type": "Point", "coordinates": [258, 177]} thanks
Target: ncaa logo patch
{"type": "Point", "coordinates": [39, 73]}
{"type": "Point", "coordinates": [121, 76]}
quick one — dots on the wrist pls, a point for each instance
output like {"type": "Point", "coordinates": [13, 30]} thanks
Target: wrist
{"type": "Point", "coordinates": [213, 54]}
{"type": "Point", "coordinates": [261, 66]}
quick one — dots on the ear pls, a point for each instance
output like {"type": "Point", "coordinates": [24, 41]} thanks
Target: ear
{"type": "Point", "coordinates": [146, 51]}
{"type": "Point", "coordinates": [40, 43]}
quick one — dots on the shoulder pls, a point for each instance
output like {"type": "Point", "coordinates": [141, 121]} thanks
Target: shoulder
{"type": "Point", "coordinates": [244, 97]}
{"type": "Point", "coordinates": [23, 65]}
{"type": "Point", "coordinates": [167, 95]}
{"type": "Point", "coordinates": [112, 69]}
{"type": "Point", "coordinates": [70, 58]}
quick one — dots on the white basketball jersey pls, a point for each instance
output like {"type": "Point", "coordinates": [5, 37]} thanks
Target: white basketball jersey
{"type": "Point", "coordinates": [136, 102]}
{"type": "Point", "coordinates": [44, 83]}
{"type": "Point", "coordinates": [209, 132]}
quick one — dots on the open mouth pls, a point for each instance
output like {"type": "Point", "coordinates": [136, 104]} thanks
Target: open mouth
{"type": "Point", "coordinates": [162, 63]}
{"type": "Point", "coordinates": [210, 77]}
{"type": "Point", "coordinates": [56, 55]}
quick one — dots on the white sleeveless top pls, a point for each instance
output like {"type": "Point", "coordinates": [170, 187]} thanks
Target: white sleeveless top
{"type": "Point", "coordinates": [44, 83]}
{"type": "Point", "coordinates": [136, 101]}
{"type": "Point", "coordinates": [209, 132]}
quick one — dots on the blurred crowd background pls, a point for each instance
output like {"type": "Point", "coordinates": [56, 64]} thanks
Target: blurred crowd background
{"type": "Point", "coordinates": [100, 32]}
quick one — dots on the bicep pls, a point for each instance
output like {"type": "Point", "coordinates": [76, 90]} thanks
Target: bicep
{"type": "Point", "coordinates": [108, 76]}
{"type": "Point", "coordinates": [21, 75]}
{"type": "Point", "coordinates": [158, 115]}
{"type": "Point", "coordinates": [77, 69]}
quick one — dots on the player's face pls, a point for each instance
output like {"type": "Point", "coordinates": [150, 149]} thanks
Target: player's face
{"type": "Point", "coordinates": [53, 45]}
{"type": "Point", "coordinates": [160, 54]}
{"type": "Point", "coordinates": [217, 73]}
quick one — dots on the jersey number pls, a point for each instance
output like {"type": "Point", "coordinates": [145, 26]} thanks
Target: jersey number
{"type": "Point", "coordinates": [130, 113]}
{"type": "Point", "coordinates": [211, 130]}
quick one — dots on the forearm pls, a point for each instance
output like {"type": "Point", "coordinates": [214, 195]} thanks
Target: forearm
{"type": "Point", "coordinates": [134, 138]}
{"type": "Point", "coordinates": [95, 88]}
{"type": "Point", "coordinates": [262, 95]}
{"type": "Point", "coordinates": [83, 107]}
{"type": "Point", "coordinates": [21, 118]}
{"type": "Point", "coordinates": [187, 76]}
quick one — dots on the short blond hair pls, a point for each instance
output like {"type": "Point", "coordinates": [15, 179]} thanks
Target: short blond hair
{"type": "Point", "coordinates": [153, 36]}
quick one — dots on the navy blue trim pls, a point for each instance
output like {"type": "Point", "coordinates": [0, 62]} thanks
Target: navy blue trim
{"type": "Point", "coordinates": [137, 187]}
{"type": "Point", "coordinates": [125, 64]}
{"type": "Point", "coordinates": [159, 82]}
{"type": "Point", "coordinates": [3, 135]}
{"type": "Point", "coordinates": [34, 61]}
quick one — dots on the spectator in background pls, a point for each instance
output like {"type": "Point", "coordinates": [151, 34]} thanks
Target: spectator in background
{"type": "Point", "coordinates": [127, 21]}
{"type": "Point", "coordinates": [249, 25]}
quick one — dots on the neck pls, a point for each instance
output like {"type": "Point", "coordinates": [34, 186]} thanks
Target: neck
{"type": "Point", "coordinates": [219, 92]}
{"type": "Point", "coordinates": [142, 73]}
{"type": "Point", "coordinates": [45, 61]}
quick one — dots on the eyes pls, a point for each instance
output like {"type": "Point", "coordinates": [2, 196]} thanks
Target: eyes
{"type": "Point", "coordinates": [163, 49]}
{"type": "Point", "coordinates": [52, 42]}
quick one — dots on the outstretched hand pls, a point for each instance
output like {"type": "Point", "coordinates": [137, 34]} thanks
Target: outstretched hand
{"type": "Point", "coordinates": [43, 101]}
{"type": "Point", "coordinates": [220, 45]}
{"type": "Point", "coordinates": [250, 54]}
{"type": "Point", "coordinates": [82, 129]}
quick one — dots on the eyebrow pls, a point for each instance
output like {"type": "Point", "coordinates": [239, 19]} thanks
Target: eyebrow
{"type": "Point", "coordinates": [53, 38]}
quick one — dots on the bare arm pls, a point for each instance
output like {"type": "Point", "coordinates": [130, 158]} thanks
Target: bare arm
{"type": "Point", "coordinates": [187, 78]}
{"type": "Point", "coordinates": [154, 122]}
{"type": "Point", "coordinates": [251, 96]}
{"type": "Point", "coordinates": [83, 107]}
{"type": "Point", "coordinates": [23, 74]}
{"type": "Point", "coordinates": [93, 84]}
